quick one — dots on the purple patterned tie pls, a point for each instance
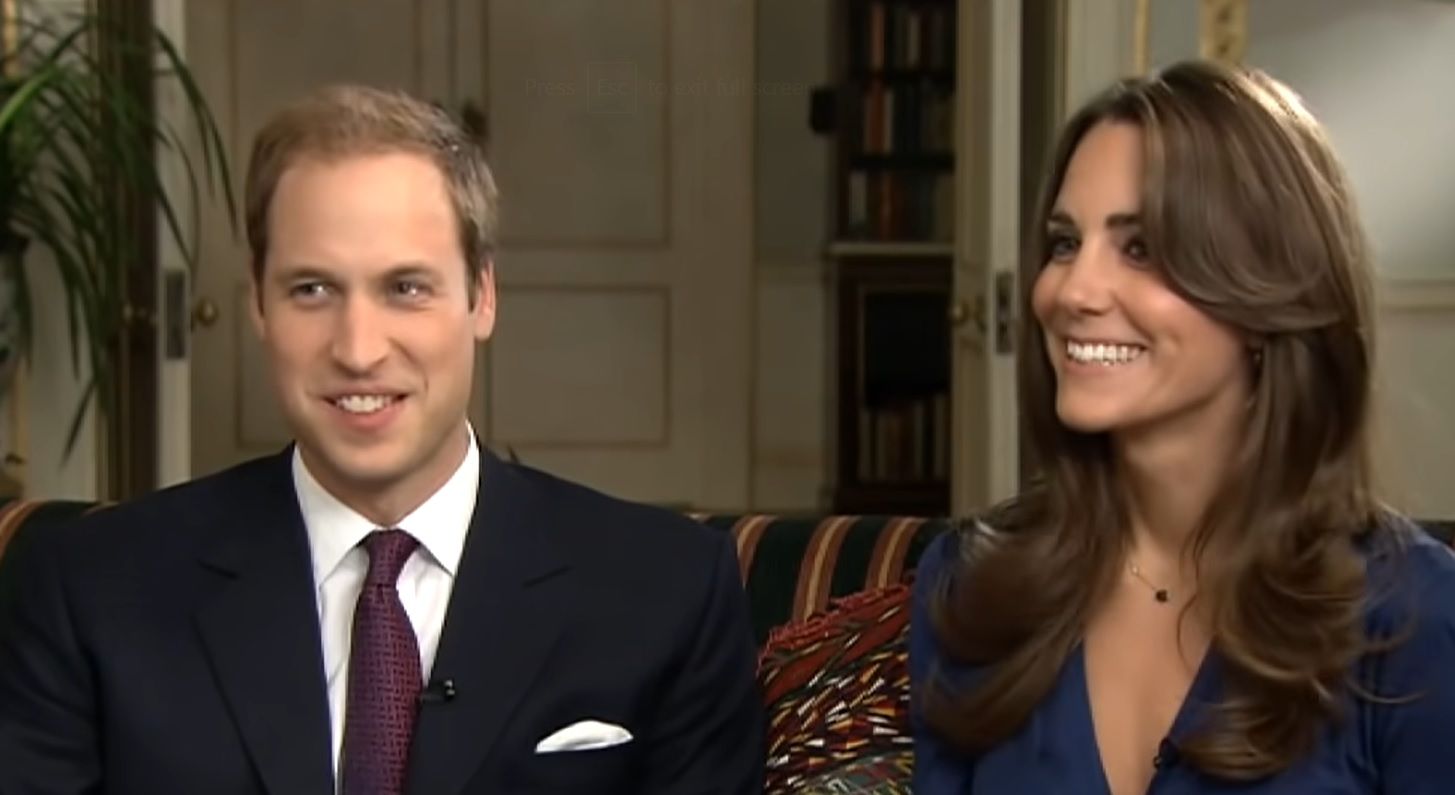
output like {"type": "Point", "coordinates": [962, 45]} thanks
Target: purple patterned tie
{"type": "Point", "coordinates": [384, 675]}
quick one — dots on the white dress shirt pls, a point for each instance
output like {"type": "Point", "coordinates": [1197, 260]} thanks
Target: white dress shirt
{"type": "Point", "coordinates": [339, 565]}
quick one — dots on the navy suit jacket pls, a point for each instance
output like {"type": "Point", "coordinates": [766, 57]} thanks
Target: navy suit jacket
{"type": "Point", "coordinates": [171, 645]}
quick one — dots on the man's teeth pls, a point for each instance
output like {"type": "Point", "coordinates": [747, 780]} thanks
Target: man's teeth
{"type": "Point", "coordinates": [1101, 353]}
{"type": "Point", "coordinates": [363, 404]}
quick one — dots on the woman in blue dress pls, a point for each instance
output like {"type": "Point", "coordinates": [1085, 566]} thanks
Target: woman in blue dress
{"type": "Point", "coordinates": [1200, 591]}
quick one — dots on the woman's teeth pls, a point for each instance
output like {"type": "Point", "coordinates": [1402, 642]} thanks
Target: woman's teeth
{"type": "Point", "coordinates": [1103, 353]}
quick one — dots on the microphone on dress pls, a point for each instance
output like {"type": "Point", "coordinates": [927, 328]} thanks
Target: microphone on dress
{"type": "Point", "coordinates": [1167, 755]}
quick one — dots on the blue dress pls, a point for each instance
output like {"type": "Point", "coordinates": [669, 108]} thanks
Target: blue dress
{"type": "Point", "coordinates": [1404, 749]}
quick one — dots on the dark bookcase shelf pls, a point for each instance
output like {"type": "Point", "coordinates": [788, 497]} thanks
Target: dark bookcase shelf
{"type": "Point", "coordinates": [893, 253]}
{"type": "Point", "coordinates": [916, 161]}
{"type": "Point", "coordinates": [893, 384]}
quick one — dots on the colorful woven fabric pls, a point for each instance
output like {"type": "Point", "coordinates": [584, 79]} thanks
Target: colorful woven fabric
{"type": "Point", "coordinates": [836, 688]}
{"type": "Point", "coordinates": [885, 774]}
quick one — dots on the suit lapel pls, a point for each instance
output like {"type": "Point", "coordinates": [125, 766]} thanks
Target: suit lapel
{"type": "Point", "coordinates": [504, 617]}
{"type": "Point", "coordinates": [261, 632]}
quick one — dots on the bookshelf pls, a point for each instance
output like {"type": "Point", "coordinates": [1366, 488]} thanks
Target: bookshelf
{"type": "Point", "coordinates": [895, 132]}
{"type": "Point", "coordinates": [892, 128]}
{"type": "Point", "coordinates": [893, 428]}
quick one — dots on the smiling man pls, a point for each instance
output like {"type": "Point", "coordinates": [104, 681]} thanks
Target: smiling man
{"type": "Point", "coordinates": [383, 606]}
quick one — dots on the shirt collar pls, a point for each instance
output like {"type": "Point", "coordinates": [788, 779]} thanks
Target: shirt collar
{"type": "Point", "coordinates": [440, 523]}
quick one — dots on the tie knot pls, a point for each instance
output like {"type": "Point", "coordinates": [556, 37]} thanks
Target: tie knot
{"type": "Point", "coordinates": [388, 550]}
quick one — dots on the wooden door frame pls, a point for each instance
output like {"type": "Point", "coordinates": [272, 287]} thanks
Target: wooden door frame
{"type": "Point", "coordinates": [127, 461]}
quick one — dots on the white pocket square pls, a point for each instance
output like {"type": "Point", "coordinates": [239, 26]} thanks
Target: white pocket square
{"type": "Point", "coordinates": [584, 735]}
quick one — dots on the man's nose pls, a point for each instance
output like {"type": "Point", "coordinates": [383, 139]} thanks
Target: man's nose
{"type": "Point", "coordinates": [359, 340]}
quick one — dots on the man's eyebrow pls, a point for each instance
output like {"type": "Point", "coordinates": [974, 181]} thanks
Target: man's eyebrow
{"type": "Point", "coordinates": [411, 269]}
{"type": "Point", "coordinates": [301, 272]}
{"type": "Point", "coordinates": [306, 272]}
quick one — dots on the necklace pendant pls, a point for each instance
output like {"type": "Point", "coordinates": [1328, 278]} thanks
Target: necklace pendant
{"type": "Point", "coordinates": [1162, 595]}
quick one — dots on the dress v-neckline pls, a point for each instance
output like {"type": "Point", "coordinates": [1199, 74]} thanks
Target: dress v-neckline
{"type": "Point", "coordinates": [1200, 693]}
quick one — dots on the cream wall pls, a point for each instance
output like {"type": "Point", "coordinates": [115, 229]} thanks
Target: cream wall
{"type": "Point", "coordinates": [174, 440]}
{"type": "Point", "coordinates": [1377, 74]}
{"type": "Point", "coordinates": [51, 392]}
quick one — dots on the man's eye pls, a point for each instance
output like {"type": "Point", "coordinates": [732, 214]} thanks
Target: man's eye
{"type": "Point", "coordinates": [308, 290]}
{"type": "Point", "coordinates": [410, 289]}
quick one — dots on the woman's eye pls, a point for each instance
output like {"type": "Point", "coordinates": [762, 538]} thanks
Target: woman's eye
{"type": "Point", "coordinates": [1136, 250]}
{"type": "Point", "coordinates": [1061, 247]}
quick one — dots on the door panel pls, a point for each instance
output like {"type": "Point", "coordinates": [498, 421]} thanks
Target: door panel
{"type": "Point", "coordinates": [623, 348]}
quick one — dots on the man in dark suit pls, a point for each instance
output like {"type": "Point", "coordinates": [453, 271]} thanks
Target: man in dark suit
{"type": "Point", "coordinates": [384, 606]}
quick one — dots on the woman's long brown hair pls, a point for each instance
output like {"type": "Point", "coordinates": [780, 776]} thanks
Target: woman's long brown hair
{"type": "Point", "coordinates": [1250, 218]}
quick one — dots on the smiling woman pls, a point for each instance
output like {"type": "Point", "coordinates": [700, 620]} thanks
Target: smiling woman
{"type": "Point", "coordinates": [1200, 593]}
{"type": "Point", "coordinates": [1103, 304]}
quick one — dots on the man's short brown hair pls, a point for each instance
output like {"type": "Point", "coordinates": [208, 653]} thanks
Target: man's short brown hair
{"type": "Point", "coordinates": [345, 120]}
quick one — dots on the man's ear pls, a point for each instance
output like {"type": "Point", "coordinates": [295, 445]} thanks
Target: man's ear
{"type": "Point", "coordinates": [255, 306]}
{"type": "Point", "coordinates": [484, 311]}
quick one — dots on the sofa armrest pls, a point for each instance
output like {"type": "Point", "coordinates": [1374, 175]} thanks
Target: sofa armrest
{"type": "Point", "coordinates": [21, 521]}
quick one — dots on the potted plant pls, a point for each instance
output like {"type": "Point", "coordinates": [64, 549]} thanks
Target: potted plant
{"type": "Point", "coordinates": [72, 130]}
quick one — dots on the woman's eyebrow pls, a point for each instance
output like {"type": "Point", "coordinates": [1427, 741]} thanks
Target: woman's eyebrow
{"type": "Point", "coordinates": [1123, 220]}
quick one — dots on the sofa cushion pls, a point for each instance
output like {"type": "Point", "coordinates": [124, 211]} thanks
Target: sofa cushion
{"type": "Point", "coordinates": [836, 690]}
{"type": "Point", "coordinates": [792, 567]}
{"type": "Point", "coordinates": [1443, 529]}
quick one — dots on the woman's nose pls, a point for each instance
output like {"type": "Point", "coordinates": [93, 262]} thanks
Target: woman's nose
{"type": "Point", "coordinates": [1088, 283]}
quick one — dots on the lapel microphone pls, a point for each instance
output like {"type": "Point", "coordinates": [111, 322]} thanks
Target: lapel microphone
{"type": "Point", "coordinates": [438, 692]}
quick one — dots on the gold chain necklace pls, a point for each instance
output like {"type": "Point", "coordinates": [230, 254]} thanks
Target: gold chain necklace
{"type": "Point", "coordinates": [1158, 592]}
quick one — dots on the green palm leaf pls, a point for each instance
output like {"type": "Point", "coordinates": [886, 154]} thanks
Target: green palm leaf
{"type": "Point", "coordinates": [71, 130]}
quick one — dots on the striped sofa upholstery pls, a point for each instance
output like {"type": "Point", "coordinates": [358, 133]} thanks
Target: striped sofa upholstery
{"type": "Point", "coordinates": [792, 567]}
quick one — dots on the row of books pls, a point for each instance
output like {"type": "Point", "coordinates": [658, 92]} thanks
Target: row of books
{"type": "Point", "coordinates": [890, 36]}
{"type": "Point", "coordinates": [899, 205]}
{"type": "Point", "coordinates": [906, 118]}
{"type": "Point", "coordinates": [905, 441]}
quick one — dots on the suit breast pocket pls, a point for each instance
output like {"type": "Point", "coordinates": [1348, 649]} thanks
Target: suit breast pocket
{"type": "Point", "coordinates": [603, 770]}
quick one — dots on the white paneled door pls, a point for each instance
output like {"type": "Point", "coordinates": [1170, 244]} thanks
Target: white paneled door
{"type": "Point", "coordinates": [987, 246]}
